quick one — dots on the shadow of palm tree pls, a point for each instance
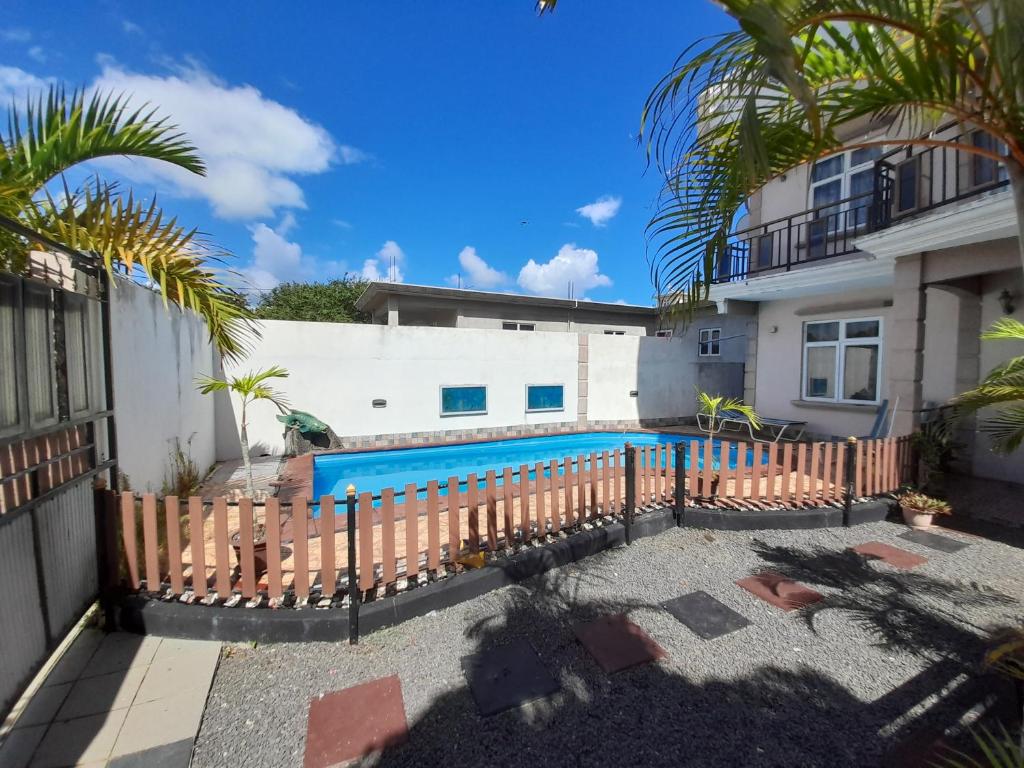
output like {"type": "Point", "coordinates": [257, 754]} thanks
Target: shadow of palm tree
{"type": "Point", "coordinates": [659, 714]}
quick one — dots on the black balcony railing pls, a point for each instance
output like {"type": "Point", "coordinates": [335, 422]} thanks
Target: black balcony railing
{"type": "Point", "coordinates": [909, 180]}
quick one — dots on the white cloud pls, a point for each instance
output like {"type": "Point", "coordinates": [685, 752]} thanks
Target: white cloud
{"type": "Point", "coordinates": [276, 259]}
{"type": "Point", "coordinates": [15, 35]}
{"type": "Point", "coordinates": [129, 27]}
{"type": "Point", "coordinates": [342, 223]}
{"type": "Point", "coordinates": [476, 272]}
{"type": "Point", "coordinates": [601, 211]}
{"type": "Point", "coordinates": [17, 84]}
{"type": "Point", "coordinates": [37, 53]}
{"type": "Point", "coordinates": [352, 155]}
{"type": "Point", "coordinates": [253, 146]}
{"type": "Point", "coordinates": [385, 265]}
{"type": "Point", "coordinates": [571, 264]}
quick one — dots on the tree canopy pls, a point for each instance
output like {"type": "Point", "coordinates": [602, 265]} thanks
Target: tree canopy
{"type": "Point", "coordinates": [330, 302]}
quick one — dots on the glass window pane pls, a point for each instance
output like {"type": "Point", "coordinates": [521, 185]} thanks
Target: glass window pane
{"type": "Point", "coordinates": [823, 331]}
{"type": "Point", "coordinates": [549, 397]}
{"type": "Point", "coordinates": [906, 184]}
{"type": "Point", "coordinates": [862, 329]}
{"type": "Point", "coordinates": [463, 400]}
{"type": "Point", "coordinates": [860, 372]}
{"type": "Point", "coordinates": [826, 169]}
{"type": "Point", "coordinates": [821, 372]}
{"type": "Point", "coordinates": [864, 155]}
{"type": "Point", "coordinates": [826, 193]}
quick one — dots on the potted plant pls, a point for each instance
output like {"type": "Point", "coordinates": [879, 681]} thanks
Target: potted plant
{"type": "Point", "coordinates": [259, 545]}
{"type": "Point", "coordinates": [936, 449]}
{"type": "Point", "coordinates": [919, 510]}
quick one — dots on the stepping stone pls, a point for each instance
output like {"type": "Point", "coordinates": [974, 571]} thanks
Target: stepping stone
{"type": "Point", "coordinates": [352, 723]}
{"type": "Point", "coordinates": [617, 643]}
{"type": "Point", "coordinates": [894, 556]}
{"type": "Point", "coordinates": [781, 592]}
{"type": "Point", "coordinates": [506, 676]}
{"type": "Point", "coordinates": [934, 541]}
{"type": "Point", "coordinates": [705, 616]}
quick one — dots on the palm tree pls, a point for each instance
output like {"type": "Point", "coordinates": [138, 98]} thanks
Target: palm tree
{"type": "Point", "coordinates": [250, 388]}
{"type": "Point", "coordinates": [742, 108]}
{"type": "Point", "coordinates": [58, 131]}
{"type": "Point", "coordinates": [1003, 385]}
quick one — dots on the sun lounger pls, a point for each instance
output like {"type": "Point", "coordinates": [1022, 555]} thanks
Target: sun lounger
{"type": "Point", "coordinates": [773, 429]}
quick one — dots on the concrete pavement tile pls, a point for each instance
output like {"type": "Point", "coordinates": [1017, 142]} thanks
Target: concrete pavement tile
{"type": "Point", "coordinates": [70, 666]}
{"type": "Point", "coordinates": [43, 705]}
{"type": "Point", "coordinates": [164, 721]}
{"type": "Point", "coordinates": [16, 750]}
{"type": "Point", "coordinates": [93, 695]}
{"type": "Point", "coordinates": [119, 651]}
{"type": "Point", "coordinates": [83, 740]}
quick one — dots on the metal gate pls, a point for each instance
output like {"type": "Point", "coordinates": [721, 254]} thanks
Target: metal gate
{"type": "Point", "coordinates": [56, 438]}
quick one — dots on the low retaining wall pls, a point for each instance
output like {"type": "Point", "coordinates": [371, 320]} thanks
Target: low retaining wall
{"type": "Point", "coordinates": [140, 614]}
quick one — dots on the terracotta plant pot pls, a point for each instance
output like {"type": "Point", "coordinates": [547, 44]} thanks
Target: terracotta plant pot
{"type": "Point", "coordinates": [259, 554]}
{"type": "Point", "coordinates": [917, 519]}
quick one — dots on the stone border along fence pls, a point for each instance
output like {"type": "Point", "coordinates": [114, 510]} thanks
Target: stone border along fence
{"type": "Point", "coordinates": [407, 537]}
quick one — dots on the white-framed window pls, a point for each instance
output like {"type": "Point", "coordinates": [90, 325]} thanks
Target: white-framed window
{"type": "Point", "coordinates": [545, 397]}
{"type": "Point", "coordinates": [842, 360]}
{"type": "Point", "coordinates": [839, 177]}
{"type": "Point", "coordinates": [509, 325]}
{"type": "Point", "coordinates": [665, 333]}
{"type": "Point", "coordinates": [709, 342]}
{"type": "Point", "coordinates": [609, 332]}
{"type": "Point", "coordinates": [985, 170]}
{"type": "Point", "coordinates": [463, 400]}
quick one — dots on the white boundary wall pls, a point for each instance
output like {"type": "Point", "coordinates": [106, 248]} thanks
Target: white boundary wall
{"type": "Point", "coordinates": [337, 370]}
{"type": "Point", "coordinates": [157, 353]}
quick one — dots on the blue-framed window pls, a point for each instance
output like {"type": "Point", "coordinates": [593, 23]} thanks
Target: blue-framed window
{"type": "Point", "coordinates": [463, 401]}
{"type": "Point", "coordinates": [545, 397]}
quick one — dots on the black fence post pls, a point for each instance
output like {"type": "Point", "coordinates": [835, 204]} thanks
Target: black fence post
{"type": "Point", "coordinates": [353, 587]}
{"type": "Point", "coordinates": [630, 490]}
{"type": "Point", "coordinates": [849, 471]}
{"type": "Point", "coordinates": [680, 492]}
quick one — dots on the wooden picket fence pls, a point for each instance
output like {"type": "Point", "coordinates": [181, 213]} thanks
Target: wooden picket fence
{"type": "Point", "coordinates": [414, 533]}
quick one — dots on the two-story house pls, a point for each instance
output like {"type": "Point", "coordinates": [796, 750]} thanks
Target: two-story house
{"type": "Point", "coordinates": [872, 272]}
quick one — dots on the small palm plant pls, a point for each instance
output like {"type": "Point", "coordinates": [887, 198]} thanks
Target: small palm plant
{"type": "Point", "coordinates": [1004, 386]}
{"type": "Point", "coordinates": [250, 387]}
{"type": "Point", "coordinates": [713, 406]}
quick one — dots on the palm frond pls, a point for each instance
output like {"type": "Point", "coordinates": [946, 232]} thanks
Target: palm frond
{"type": "Point", "coordinates": [58, 130]}
{"type": "Point", "coordinates": [250, 386]}
{"type": "Point", "coordinates": [997, 750]}
{"type": "Point", "coordinates": [141, 242]}
{"type": "Point", "coordinates": [742, 108]}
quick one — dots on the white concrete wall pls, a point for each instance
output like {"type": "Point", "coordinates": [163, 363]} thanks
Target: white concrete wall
{"type": "Point", "coordinates": [660, 371]}
{"type": "Point", "coordinates": [780, 361]}
{"type": "Point", "coordinates": [157, 353]}
{"type": "Point", "coordinates": [337, 370]}
{"type": "Point", "coordinates": [993, 353]}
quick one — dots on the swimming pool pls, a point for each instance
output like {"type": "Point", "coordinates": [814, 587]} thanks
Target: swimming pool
{"type": "Point", "coordinates": [374, 470]}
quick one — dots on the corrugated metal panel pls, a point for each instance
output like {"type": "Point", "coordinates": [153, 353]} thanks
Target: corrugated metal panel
{"type": "Point", "coordinates": [67, 544]}
{"type": "Point", "coordinates": [22, 636]}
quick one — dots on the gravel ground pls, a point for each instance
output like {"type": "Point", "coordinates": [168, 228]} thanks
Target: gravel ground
{"type": "Point", "coordinates": [839, 685]}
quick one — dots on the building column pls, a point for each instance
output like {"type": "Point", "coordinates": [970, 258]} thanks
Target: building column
{"type": "Point", "coordinates": [906, 343]}
{"type": "Point", "coordinates": [750, 364]}
{"type": "Point", "coordinates": [392, 310]}
{"type": "Point", "coordinates": [582, 358]}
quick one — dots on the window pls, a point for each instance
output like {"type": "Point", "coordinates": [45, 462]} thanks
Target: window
{"type": "Point", "coordinates": [838, 178]}
{"type": "Point", "coordinates": [664, 334]}
{"type": "Point", "coordinates": [842, 360]}
{"type": "Point", "coordinates": [908, 185]}
{"type": "Point", "coordinates": [463, 401]}
{"type": "Point", "coordinates": [511, 326]}
{"type": "Point", "coordinates": [985, 170]}
{"type": "Point", "coordinates": [709, 340]}
{"type": "Point", "coordinates": [614, 333]}
{"type": "Point", "coordinates": [545, 397]}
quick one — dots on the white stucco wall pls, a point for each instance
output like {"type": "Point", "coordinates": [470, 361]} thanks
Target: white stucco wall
{"type": "Point", "coordinates": [157, 353]}
{"type": "Point", "coordinates": [337, 370]}
{"type": "Point", "coordinates": [780, 361]}
{"type": "Point", "coordinates": [993, 353]}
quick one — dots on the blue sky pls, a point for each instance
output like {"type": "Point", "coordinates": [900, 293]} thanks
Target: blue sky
{"type": "Point", "coordinates": [444, 138]}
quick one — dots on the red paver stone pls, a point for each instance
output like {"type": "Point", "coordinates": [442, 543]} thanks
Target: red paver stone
{"type": "Point", "coordinates": [781, 592]}
{"type": "Point", "coordinates": [349, 724]}
{"type": "Point", "coordinates": [616, 643]}
{"type": "Point", "coordinates": [894, 556]}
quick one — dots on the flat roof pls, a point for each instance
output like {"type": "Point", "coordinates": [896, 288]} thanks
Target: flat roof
{"type": "Point", "coordinates": [377, 292]}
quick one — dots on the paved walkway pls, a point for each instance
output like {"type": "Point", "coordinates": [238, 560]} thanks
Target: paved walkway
{"type": "Point", "coordinates": [834, 647]}
{"type": "Point", "coordinates": [115, 700]}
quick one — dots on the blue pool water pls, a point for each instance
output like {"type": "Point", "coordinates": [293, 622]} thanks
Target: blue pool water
{"type": "Point", "coordinates": [374, 470]}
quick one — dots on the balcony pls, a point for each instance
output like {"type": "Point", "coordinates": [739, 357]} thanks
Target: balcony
{"type": "Point", "coordinates": [909, 181]}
